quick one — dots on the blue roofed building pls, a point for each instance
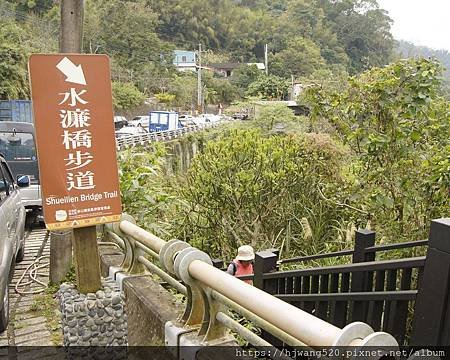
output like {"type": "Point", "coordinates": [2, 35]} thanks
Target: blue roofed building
{"type": "Point", "coordinates": [185, 60]}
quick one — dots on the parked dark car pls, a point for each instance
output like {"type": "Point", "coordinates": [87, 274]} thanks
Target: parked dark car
{"type": "Point", "coordinates": [12, 232]}
{"type": "Point", "coordinates": [240, 116]}
{"type": "Point", "coordinates": [120, 122]}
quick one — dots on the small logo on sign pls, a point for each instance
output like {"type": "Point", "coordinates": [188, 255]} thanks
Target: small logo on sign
{"type": "Point", "coordinates": [61, 215]}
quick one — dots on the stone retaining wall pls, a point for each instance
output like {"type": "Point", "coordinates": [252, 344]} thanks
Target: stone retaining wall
{"type": "Point", "coordinates": [94, 319]}
{"type": "Point", "coordinates": [149, 307]}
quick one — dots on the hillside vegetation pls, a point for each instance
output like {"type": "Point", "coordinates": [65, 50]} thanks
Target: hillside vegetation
{"type": "Point", "coordinates": [407, 49]}
{"type": "Point", "coordinates": [375, 153]}
{"type": "Point", "coordinates": [306, 39]}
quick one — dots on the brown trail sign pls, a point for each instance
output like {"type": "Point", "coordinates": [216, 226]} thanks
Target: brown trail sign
{"type": "Point", "coordinates": [75, 139]}
{"type": "Point", "coordinates": [73, 117]}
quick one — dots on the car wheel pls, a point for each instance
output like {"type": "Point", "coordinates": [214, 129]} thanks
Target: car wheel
{"type": "Point", "coordinates": [21, 253]}
{"type": "Point", "coordinates": [4, 311]}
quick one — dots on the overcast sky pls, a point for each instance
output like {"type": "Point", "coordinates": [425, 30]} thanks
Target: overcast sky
{"type": "Point", "coordinates": [422, 22]}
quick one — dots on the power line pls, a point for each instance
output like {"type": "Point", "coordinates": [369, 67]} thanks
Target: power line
{"type": "Point", "coordinates": [25, 17]}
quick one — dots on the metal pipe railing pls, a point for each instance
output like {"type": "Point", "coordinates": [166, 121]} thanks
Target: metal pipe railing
{"type": "Point", "coordinates": [292, 325]}
{"type": "Point", "coordinates": [151, 241]}
{"type": "Point", "coordinates": [147, 250]}
{"type": "Point", "coordinates": [251, 337]}
{"type": "Point", "coordinates": [116, 238]}
{"type": "Point", "coordinates": [166, 277]}
{"type": "Point", "coordinates": [263, 324]}
{"type": "Point", "coordinates": [295, 322]}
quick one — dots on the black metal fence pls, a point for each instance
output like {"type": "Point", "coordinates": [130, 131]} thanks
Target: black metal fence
{"type": "Point", "coordinates": [408, 298]}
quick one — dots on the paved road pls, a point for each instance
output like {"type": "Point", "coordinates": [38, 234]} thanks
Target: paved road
{"type": "Point", "coordinates": [27, 327]}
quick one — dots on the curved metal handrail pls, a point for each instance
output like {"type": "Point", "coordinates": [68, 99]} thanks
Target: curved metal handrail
{"type": "Point", "coordinates": [267, 311]}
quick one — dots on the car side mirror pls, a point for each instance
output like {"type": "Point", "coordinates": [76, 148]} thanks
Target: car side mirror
{"type": "Point", "coordinates": [23, 181]}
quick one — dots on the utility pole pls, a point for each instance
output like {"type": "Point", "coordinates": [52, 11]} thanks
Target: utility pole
{"type": "Point", "coordinates": [84, 240]}
{"type": "Point", "coordinates": [292, 88]}
{"type": "Point", "coordinates": [85, 249]}
{"type": "Point", "coordinates": [71, 33]}
{"type": "Point", "coordinates": [70, 40]}
{"type": "Point", "coordinates": [266, 59]}
{"type": "Point", "coordinates": [199, 81]}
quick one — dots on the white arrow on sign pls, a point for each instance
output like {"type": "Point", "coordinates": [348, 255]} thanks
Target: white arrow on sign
{"type": "Point", "coordinates": [74, 73]}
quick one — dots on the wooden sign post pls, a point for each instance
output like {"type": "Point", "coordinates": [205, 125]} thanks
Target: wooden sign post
{"type": "Point", "coordinates": [76, 147]}
{"type": "Point", "coordinates": [87, 259]}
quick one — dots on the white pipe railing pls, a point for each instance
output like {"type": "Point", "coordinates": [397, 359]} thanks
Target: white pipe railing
{"type": "Point", "coordinates": [298, 323]}
{"type": "Point", "coordinates": [195, 269]}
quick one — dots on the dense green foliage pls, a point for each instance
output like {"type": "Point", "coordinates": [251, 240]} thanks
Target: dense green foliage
{"type": "Point", "coordinates": [249, 188]}
{"type": "Point", "coordinates": [13, 59]}
{"type": "Point", "coordinates": [397, 127]}
{"type": "Point", "coordinates": [407, 49]}
{"type": "Point", "coordinates": [375, 148]}
{"type": "Point", "coordinates": [278, 118]}
{"type": "Point", "coordinates": [268, 88]}
{"type": "Point", "coordinates": [304, 36]}
{"type": "Point", "coordinates": [126, 96]}
{"type": "Point", "coordinates": [277, 182]}
{"type": "Point", "coordinates": [142, 188]}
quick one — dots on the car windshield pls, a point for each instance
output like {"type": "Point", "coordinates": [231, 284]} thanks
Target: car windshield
{"type": "Point", "coordinates": [16, 146]}
{"type": "Point", "coordinates": [20, 151]}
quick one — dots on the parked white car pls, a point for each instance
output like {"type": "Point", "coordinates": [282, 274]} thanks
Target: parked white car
{"type": "Point", "coordinates": [199, 120]}
{"type": "Point", "coordinates": [211, 117]}
{"type": "Point", "coordinates": [12, 232]}
{"type": "Point", "coordinates": [130, 131]}
{"type": "Point", "coordinates": [185, 117]}
{"type": "Point", "coordinates": [143, 121]}
{"type": "Point", "coordinates": [187, 122]}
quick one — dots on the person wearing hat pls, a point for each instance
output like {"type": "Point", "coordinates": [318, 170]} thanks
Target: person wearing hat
{"type": "Point", "coordinates": [243, 263]}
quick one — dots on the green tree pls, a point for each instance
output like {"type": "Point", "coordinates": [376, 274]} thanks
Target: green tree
{"type": "Point", "coordinates": [184, 87]}
{"type": "Point", "coordinates": [226, 92]}
{"type": "Point", "coordinates": [300, 58]}
{"type": "Point", "coordinates": [41, 33]}
{"type": "Point", "coordinates": [248, 188]}
{"type": "Point", "coordinates": [398, 127]}
{"type": "Point", "coordinates": [306, 19]}
{"type": "Point", "coordinates": [362, 29]}
{"type": "Point", "coordinates": [219, 90]}
{"type": "Point", "coordinates": [276, 117]}
{"type": "Point", "coordinates": [244, 75]}
{"type": "Point", "coordinates": [127, 31]}
{"type": "Point", "coordinates": [165, 98]}
{"type": "Point", "coordinates": [37, 6]}
{"type": "Point", "coordinates": [13, 62]}
{"type": "Point", "coordinates": [126, 96]}
{"type": "Point", "coordinates": [269, 88]}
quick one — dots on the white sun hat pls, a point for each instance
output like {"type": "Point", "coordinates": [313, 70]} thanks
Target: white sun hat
{"type": "Point", "coordinates": [245, 253]}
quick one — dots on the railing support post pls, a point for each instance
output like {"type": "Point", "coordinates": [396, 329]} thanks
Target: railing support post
{"type": "Point", "coordinates": [363, 239]}
{"type": "Point", "coordinates": [431, 324]}
{"type": "Point", "coordinates": [136, 266]}
{"type": "Point", "coordinates": [266, 261]}
{"type": "Point", "coordinates": [362, 282]}
{"type": "Point", "coordinates": [217, 263]}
